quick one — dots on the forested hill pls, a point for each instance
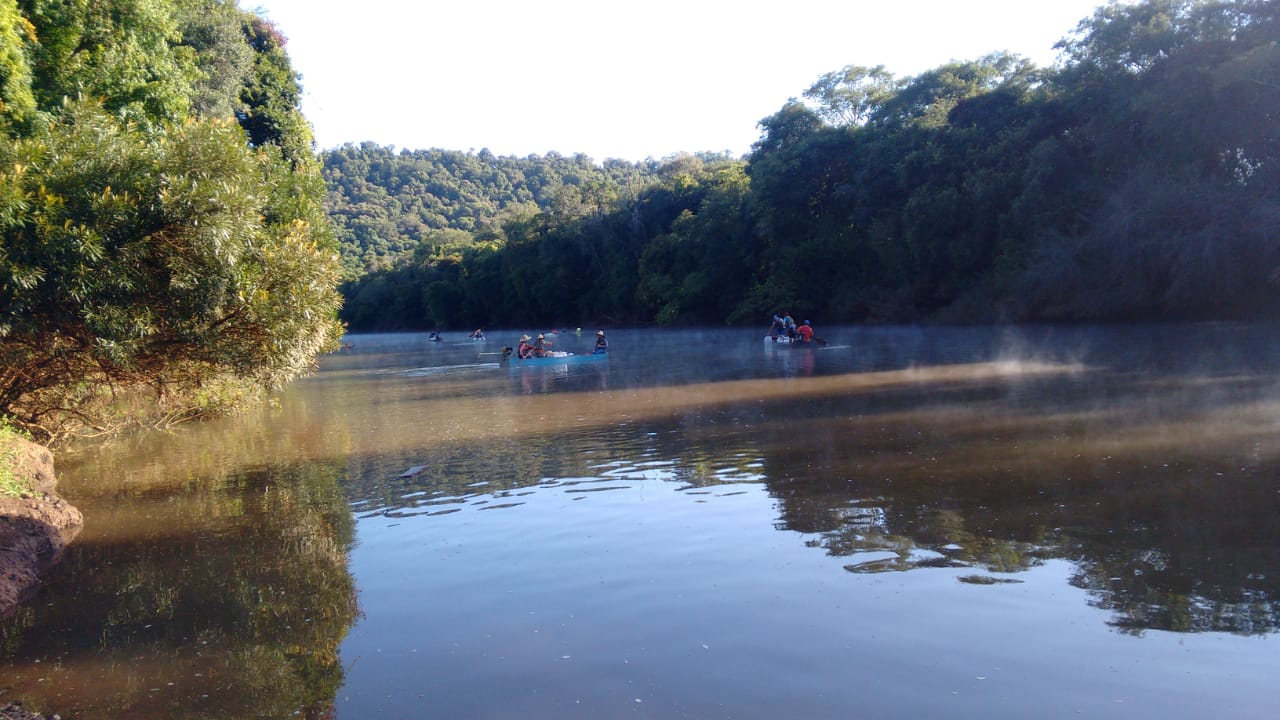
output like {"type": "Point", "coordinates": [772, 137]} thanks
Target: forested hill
{"type": "Point", "coordinates": [386, 203]}
{"type": "Point", "coordinates": [1139, 179]}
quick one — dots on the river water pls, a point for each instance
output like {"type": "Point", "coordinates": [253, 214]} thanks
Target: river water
{"type": "Point", "coordinates": [906, 522]}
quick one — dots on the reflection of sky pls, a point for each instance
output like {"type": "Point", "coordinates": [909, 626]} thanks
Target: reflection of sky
{"type": "Point", "coordinates": [651, 594]}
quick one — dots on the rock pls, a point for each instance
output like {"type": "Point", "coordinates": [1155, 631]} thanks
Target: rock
{"type": "Point", "coordinates": [14, 711]}
{"type": "Point", "coordinates": [34, 529]}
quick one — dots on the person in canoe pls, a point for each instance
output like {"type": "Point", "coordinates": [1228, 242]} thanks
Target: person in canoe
{"type": "Point", "coordinates": [776, 328]}
{"type": "Point", "coordinates": [788, 324]}
{"type": "Point", "coordinates": [805, 333]}
{"type": "Point", "coordinates": [524, 350]}
{"type": "Point", "coordinates": [602, 344]}
{"type": "Point", "coordinates": [541, 346]}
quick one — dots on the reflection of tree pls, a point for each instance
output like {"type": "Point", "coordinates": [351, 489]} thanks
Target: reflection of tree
{"type": "Point", "coordinates": [454, 474]}
{"type": "Point", "coordinates": [937, 541]}
{"type": "Point", "coordinates": [238, 612]}
{"type": "Point", "coordinates": [1171, 489]}
{"type": "Point", "coordinates": [1165, 507]}
{"type": "Point", "coordinates": [1190, 557]}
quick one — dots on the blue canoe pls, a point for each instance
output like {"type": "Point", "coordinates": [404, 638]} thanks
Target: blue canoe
{"type": "Point", "coordinates": [568, 359]}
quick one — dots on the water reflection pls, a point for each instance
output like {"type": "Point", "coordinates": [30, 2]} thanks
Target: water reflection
{"type": "Point", "coordinates": [743, 497]}
{"type": "Point", "coordinates": [1158, 489]}
{"type": "Point", "coordinates": [207, 597]}
{"type": "Point", "coordinates": [1164, 507]}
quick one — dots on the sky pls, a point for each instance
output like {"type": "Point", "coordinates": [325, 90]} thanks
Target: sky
{"type": "Point", "coordinates": [625, 79]}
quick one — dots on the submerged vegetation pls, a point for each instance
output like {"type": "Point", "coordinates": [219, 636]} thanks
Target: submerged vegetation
{"type": "Point", "coordinates": [1137, 179]}
{"type": "Point", "coordinates": [165, 251]}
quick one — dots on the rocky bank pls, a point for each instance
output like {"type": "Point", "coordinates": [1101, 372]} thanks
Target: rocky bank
{"type": "Point", "coordinates": [34, 528]}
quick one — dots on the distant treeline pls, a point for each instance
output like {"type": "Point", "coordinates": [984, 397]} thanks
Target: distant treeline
{"type": "Point", "coordinates": [1138, 179]}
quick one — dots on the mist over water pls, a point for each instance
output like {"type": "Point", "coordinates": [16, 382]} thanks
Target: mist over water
{"type": "Point", "coordinates": [908, 522]}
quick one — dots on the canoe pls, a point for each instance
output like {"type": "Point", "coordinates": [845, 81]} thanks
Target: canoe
{"type": "Point", "coordinates": [557, 358]}
{"type": "Point", "coordinates": [796, 343]}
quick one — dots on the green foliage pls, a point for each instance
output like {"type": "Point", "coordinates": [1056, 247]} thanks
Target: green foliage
{"type": "Point", "coordinates": [126, 54]}
{"type": "Point", "coordinates": [17, 103]}
{"type": "Point", "coordinates": [155, 262]}
{"type": "Point", "coordinates": [270, 108]}
{"type": "Point", "coordinates": [853, 95]}
{"type": "Point", "coordinates": [142, 258]}
{"type": "Point", "coordinates": [385, 205]}
{"type": "Point", "coordinates": [11, 484]}
{"type": "Point", "coordinates": [1137, 180]}
{"type": "Point", "coordinates": [214, 31]}
{"type": "Point", "coordinates": [1168, 202]}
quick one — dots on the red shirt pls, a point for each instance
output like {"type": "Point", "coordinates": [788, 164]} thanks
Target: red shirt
{"type": "Point", "coordinates": [806, 332]}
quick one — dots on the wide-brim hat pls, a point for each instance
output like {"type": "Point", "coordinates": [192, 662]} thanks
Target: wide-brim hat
{"type": "Point", "coordinates": [524, 338]}
{"type": "Point", "coordinates": [599, 332]}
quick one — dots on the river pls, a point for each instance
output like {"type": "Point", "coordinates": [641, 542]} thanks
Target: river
{"type": "Point", "coordinates": [904, 522]}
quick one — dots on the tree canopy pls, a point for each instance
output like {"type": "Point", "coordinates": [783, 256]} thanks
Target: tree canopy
{"type": "Point", "coordinates": [158, 234]}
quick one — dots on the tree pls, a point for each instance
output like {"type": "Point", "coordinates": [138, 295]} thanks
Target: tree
{"type": "Point", "coordinates": [214, 31]}
{"type": "Point", "coordinates": [270, 112]}
{"type": "Point", "coordinates": [144, 258]}
{"type": "Point", "coordinates": [17, 102]}
{"type": "Point", "coordinates": [787, 127]}
{"type": "Point", "coordinates": [927, 99]}
{"type": "Point", "coordinates": [126, 54]}
{"type": "Point", "coordinates": [852, 96]}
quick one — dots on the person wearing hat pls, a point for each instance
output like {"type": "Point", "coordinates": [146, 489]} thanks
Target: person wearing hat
{"type": "Point", "coordinates": [805, 332]}
{"type": "Point", "coordinates": [602, 345]}
{"type": "Point", "coordinates": [541, 346]}
{"type": "Point", "coordinates": [524, 350]}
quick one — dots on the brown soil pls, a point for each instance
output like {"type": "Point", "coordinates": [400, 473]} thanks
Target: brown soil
{"type": "Point", "coordinates": [34, 528]}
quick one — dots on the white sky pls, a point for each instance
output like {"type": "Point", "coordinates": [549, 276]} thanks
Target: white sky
{"type": "Point", "coordinates": [612, 78]}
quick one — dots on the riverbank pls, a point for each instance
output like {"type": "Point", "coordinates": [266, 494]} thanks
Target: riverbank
{"type": "Point", "coordinates": [35, 523]}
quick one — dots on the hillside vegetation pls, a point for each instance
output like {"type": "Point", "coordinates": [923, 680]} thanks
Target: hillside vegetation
{"type": "Point", "coordinates": [1137, 179]}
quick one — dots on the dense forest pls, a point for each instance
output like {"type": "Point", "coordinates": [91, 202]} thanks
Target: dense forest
{"type": "Point", "coordinates": [164, 249]}
{"type": "Point", "coordinates": [1139, 178]}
